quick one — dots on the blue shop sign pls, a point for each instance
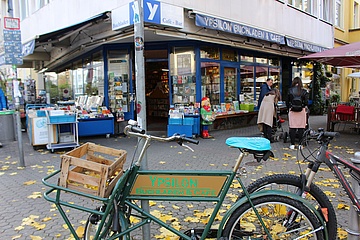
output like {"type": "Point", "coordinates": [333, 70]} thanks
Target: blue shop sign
{"type": "Point", "coordinates": [294, 43]}
{"type": "Point", "coordinates": [236, 28]}
{"type": "Point", "coordinates": [154, 12]}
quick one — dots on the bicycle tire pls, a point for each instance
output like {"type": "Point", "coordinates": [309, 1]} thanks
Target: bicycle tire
{"type": "Point", "coordinates": [92, 225]}
{"type": "Point", "coordinates": [291, 183]}
{"type": "Point", "coordinates": [243, 224]}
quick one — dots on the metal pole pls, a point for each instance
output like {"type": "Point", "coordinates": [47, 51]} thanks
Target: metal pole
{"type": "Point", "coordinates": [140, 89]}
{"type": "Point", "coordinates": [17, 104]}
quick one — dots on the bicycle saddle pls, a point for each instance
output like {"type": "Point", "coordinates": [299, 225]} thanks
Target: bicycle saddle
{"type": "Point", "coordinates": [258, 146]}
{"type": "Point", "coordinates": [250, 143]}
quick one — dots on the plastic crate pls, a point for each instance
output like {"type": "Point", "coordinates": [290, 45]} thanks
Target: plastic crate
{"type": "Point", "coordinates": [41, 113]}
{"type": "Point", "coordinates": [87, 169]}
{"type": "Point", "coordinates": [175, 121]}
{"type": "Point", "coordinates": [247, 106]}
{"type": "Point", "coordinates": [188, 121]}
{"type": "Point", "coordinates": [62, 119]}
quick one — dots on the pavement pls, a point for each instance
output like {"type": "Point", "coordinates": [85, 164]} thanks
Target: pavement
{"type": "Point", "coordinates": [26, 215]}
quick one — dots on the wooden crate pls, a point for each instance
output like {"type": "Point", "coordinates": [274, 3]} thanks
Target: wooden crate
{"type": "Point", "coordinates": [87, 169]}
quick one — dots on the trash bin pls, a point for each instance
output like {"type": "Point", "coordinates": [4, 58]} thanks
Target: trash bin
{"type": "Point", "coordinates": [7, 126]}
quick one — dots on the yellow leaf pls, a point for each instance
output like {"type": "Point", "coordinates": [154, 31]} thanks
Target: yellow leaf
{"type": "Point", "coordinates": [152, 203]}
{"type": "Point", "coordinates": [175, 207]}
{"type": "Point", "coordinates": [46, 219]}
{"type": "Point", "coordinates": [19, 228]}
{"type": "Point", "coordinates": [58, 235]}
{"type": "Point", "coordinates": [35, 195]}
{"type": "Point", "coordinates": [280, 209]}
{"type": "Point", "coordinates": [16, 237]}
{"type": "Point", "coordinates": [35, 237]}
{"type": "Point", "coordinates": [343, 206]}
{"type": "Point", "coordinates": [12, 174]}
{"type": "Point", "coordinates": [65, 226]}
{"type": "Point", "coordinates": [287, 155]}
{"type": "Point", "coordinates": [80, 231]}
{"type": "Point", "coordinates": [162, 162]}
{"type": "Point", "coordinates": [30, 182]}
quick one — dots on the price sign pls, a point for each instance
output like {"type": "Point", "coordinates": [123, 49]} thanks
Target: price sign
{"type": "Point", "coordinates": [11, 23]}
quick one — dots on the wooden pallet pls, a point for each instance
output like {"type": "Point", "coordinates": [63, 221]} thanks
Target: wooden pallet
{"type": "Point", "coordinates": [87, 169]}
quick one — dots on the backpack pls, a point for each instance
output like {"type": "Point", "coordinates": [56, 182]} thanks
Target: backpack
{"type": "Point", "coordinates": [296, 103]}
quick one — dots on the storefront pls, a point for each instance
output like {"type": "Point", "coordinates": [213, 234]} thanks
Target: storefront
{"type": "Point", "coordinates": [188, 55]}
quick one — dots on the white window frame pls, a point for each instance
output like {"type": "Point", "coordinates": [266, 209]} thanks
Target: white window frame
{"type": "Point", "coordinates": [339, 14]}
{"type": "Point", "coordinates": [356, 23]}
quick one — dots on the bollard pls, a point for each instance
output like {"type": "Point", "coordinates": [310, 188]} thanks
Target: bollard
{"type": "Point", "coordinates": [353, 229]}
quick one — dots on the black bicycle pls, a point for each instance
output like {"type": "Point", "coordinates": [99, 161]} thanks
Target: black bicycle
{"type": "Point", "coordinates": [303, 184]}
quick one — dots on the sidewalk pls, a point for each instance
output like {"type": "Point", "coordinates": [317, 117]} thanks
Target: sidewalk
{"type": "Point", "coordinates": [25, 213]}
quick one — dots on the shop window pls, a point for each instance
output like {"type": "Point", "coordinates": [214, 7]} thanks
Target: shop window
{"type": "Point", "coordinates": [247, 58]}
{"type": "Point", "coordinates": [305, 73]}
{"type": "Point", "coordinates": [262, 60]}
{"type": "Point", "coordinates": [229, 55]}
{"type": "Point", "coordinates": [247, 83]}
{"type": "Point", "coordinates": [274, 61]}
{"type": "Point", "coordinates": [210, 52]}
{"type": "Point", "coordinates": [64, 80]}
{"type": "Point", "coordinates": [230, 78]}
{"type": "Point", "coordinates": [210, 79]}
{"type": "Point", "coordinates": [118, 71]}
{"type": "Point", "coordinates": [182, 74]}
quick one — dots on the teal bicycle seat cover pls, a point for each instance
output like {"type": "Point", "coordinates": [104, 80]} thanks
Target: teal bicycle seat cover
{"type": "Point", "coordinates": [251, 143]}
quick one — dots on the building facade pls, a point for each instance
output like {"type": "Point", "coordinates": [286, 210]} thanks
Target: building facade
{"type": "Point", "coordinates": [347, 30]}
{"type": "Point", "coordinates": [221, 49]}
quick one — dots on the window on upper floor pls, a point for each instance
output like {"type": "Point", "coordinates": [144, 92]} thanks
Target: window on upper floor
{"type": "Point", "coordinates": [24, 8]}
{"type": "Point", "coordinates": [339, 15]}
{"type": "Point", "coordinates": [326, 10]}
{"type": "Point", "coordinates": [308, 6]}
{"type": "Point", "coordinates": [356, 15]}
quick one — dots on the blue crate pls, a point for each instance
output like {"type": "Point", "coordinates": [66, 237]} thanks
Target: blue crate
{"type": "Point", "coordinates": [188, 121]}
{"type": "Point", "coordinates": [41, 113]}
{"type": "Point", "coordinates": [62, 119]}
{"type": "Point", "coordinates": [175, 121]}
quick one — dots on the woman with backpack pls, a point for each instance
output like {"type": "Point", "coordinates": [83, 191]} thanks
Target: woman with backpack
{"type": "Point", "coordinates": [297, 104]}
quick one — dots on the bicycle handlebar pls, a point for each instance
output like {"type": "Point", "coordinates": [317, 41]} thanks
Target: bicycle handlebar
{"type": "Point", "coordinates": [331, 134]}
{"type": "Point", "coordinates": [133, 130]}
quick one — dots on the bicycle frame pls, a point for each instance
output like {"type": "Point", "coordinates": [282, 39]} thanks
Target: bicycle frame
{"type": "Point", "coordinates": [333, 162]}
{"type": "Point", "coordinates": [136, 184]}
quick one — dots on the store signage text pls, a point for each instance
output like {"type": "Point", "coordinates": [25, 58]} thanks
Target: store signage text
{"type": "Point", "coordinates": [154, 12]}
{"type": "Point", "coordinates": [178, 185]}
{"type": "Point", "coordinates": [236, 28]}
{"type": "Point", "coordinates": [303, 45]}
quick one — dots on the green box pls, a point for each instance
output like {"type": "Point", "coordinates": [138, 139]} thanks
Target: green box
{"type": "Point", "coordinates": [247, 106]}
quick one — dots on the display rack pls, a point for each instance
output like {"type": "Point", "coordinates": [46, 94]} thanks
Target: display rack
{"type": "Point", "coordinates": [184, 89]}
{"type": "Point", "coordinates": [66, 130]}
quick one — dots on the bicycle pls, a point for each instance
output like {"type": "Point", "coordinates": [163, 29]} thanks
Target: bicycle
{"type": "Point", "coordinates": [264, 211]}
{"type": "Point", "coordinates": [303, 185]}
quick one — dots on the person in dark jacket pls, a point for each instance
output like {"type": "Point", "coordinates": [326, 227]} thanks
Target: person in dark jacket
{"type": "Point", "coordinates": [297, 119]}
{"type": "Point", "coordinates": [2, 103]}
{"type": "Point", "coordinates": [264, 89]}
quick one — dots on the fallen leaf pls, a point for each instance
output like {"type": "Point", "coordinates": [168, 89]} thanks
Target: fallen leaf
{"type": "Point", "coordinates": [30, 182]}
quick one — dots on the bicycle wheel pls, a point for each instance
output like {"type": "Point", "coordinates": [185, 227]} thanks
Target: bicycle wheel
{"type": "Point", "coordinates": [243, 223]}
{"type": "Point", "coordinates": [292, 183]}
{"type": "Point", "coordinates": [93, 223]}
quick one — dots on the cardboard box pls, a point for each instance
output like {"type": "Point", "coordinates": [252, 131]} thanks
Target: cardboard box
{"type": "Point", "coordinates": [87, 169]}
{"type": "Point", "coordinates": [66, 137]}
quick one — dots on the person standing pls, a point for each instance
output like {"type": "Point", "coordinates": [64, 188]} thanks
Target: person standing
{"type": "Point", "coordinates": [2, 104]}
{"type": "Point", "coordinates": [267, 113]}
{"type": "Point", "coordinates": [265, 88]}
{"type": "Point", "coordinates": [297, 104]}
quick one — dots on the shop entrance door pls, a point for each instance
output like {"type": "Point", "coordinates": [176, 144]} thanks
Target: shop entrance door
{"type": "Point", "coordinates": [157, 94]}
